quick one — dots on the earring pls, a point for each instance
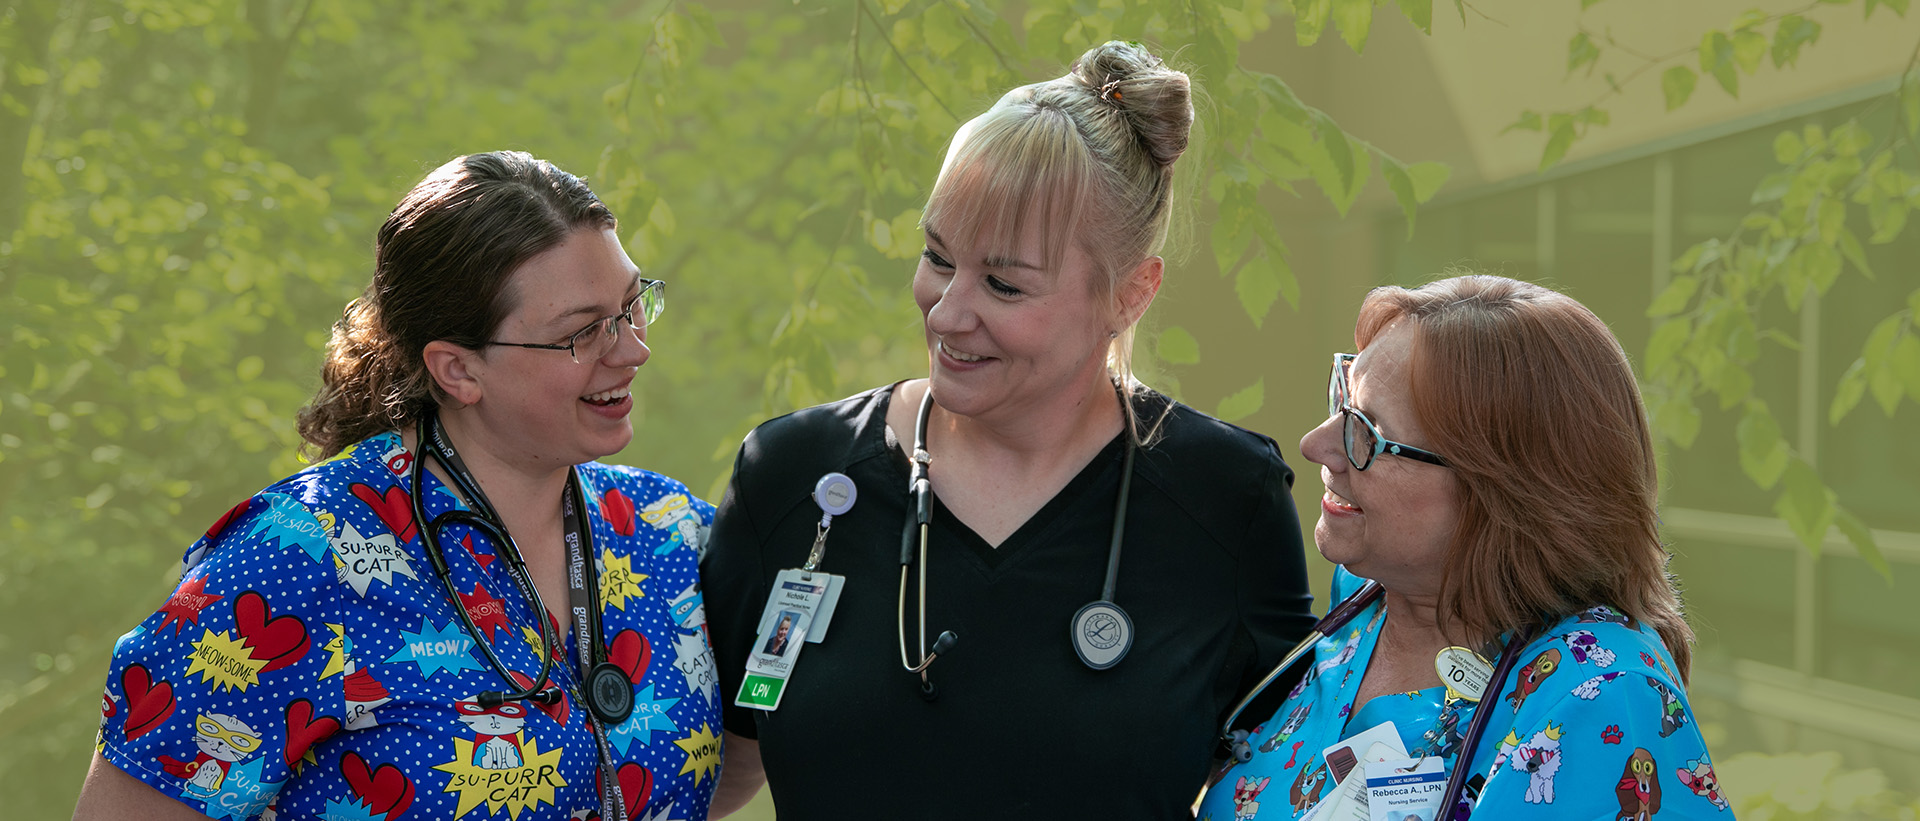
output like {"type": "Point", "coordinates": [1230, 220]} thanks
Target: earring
{"type": "Point", "coordinates": [1113, 334]}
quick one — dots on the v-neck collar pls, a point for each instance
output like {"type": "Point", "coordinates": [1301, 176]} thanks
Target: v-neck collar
{"type": "Point", "coordinates": [1038, 527]}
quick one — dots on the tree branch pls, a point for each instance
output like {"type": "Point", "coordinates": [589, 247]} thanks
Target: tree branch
{"type": "Point", "coordinates": [903, 61]}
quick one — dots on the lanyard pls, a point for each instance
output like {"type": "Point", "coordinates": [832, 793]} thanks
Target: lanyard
{"type": "Point", "coordinates": [608, 701]}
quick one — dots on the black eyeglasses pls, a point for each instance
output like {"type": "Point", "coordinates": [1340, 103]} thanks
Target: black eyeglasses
{"type": "Point", "coordinates": [594, 341]}
{"type": "Point", "coordinates": [1361, 437]}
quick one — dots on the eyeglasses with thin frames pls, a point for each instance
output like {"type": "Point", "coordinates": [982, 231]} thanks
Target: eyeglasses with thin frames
{"type": "Point", "coordinates": [591, 343]}
{"type": "Point", "coordinates": [1357, 432]}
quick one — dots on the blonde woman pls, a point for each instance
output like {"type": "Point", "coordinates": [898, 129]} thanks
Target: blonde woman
{"type": "Point", "coordinates": [1105, 569]}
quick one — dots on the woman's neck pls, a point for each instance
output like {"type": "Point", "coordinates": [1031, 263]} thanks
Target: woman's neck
{"type": "Point", "coordinates": [527, 499]}
{"type": "Point", "coordinates": [1412, 625]}
{"type": "Point", "coordinates": [1037, 437]}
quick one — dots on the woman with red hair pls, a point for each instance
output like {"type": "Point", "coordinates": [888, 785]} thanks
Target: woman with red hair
{"type": "Point", "coordinates": [1491, 502]}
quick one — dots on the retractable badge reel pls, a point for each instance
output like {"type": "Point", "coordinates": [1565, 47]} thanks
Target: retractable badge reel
{"type": "Point", "coordinates": [799, 606]}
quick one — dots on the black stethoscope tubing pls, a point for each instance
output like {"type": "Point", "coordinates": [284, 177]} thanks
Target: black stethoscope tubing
{"type": "Point", "coordinates": [920, 515]}
{"type": "Point", "coordinates": [483, 518]}
{"type": "Point", "coordinates": [1239, 751]}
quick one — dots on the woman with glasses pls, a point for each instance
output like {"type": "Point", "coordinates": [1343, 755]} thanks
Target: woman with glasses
{"type": "Point", "coordinates": [1487, 462]}
{"type": "Point", "coordinates": [457, 613]}
{"type": "Point", "coordinates": [1098, 571]}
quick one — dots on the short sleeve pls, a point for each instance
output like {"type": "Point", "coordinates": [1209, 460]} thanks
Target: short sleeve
{"type": "Point", "coordinates": [216, 699]}
{"type": "Point", "coordinates": [1276, 603]}
{"type": "Point", "coordinates": [736, 585]}
{"type": "Point", "coordinates": [1607, 746]}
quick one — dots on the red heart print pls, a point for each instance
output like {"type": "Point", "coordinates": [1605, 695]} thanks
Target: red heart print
{"type": "Point", "coordinates": [149, 703]}
{"type": "Point", "coordinates": [304, 731]}
{"type": "Point", "coordinates": [617, 509]}
{"type": "Point", "coordinates": [227, 518]}
{"type": "Point", "coordinates": [558, 711]}
{"type": "Point", "coordinates": [385, 789]}
{"type": "Point", "coordinates": [636, 786]}
{"type": "Point", "coordinates": [395, 509]}
{"type": "Point", "coordinates": [281, 641]}
{"type": "Point", "coordinates": [630, 651]}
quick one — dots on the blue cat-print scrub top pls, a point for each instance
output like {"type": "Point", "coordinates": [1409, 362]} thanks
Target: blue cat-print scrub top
{"type": "Point", "coordinates": [310, 664]}
{"type": "Point", "coordinates": [1591, 723]}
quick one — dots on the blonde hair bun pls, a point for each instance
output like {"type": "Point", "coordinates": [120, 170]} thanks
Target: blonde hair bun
{"type": "Point", "coordinates": [1157, 101]}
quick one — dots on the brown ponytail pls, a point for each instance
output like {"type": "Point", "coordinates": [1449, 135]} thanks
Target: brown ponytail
{"type": "Point", "coordinates": [442, 262]}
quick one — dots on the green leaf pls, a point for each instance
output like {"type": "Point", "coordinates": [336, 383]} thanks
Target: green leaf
{"type": "Point", "coordinates": [1310, 20]}
{"type": "Point", "coordinates": [1177, 347]}
{"type": "Point", "coordinates": [944, 32]}
{"type": "Point", "coordinates": [1781, 339]}
{"type": "Point", "coordinates": [1748, 19]}
{"type": "Point", "coordinates": [1787, 147]}
{"type": "Point", "coordinates": [1258, 287]}
{"type": "Point", "coordinates": [1401, 183]}
{"type": "Point", "coordinates": [1354, 18]}
{"type": "Point", "coordinates": [1905, 364]}
{"type": "Point", "coordinates": [1419, 12]}
{"type": "Point", "coordinates": [1666, 342]}
{"type": "Point", "coordinates": [1428, 177]}
{"type": "Point", "coordinates": [1734, 386]}
{"type": "Point", "coordinates": [1716, 58]}
{"type": "Point", "coordinates": [1558, 142]}
{"type": "Point", "coordinates": [1675, 298]}
{"type": "Point", "coordinates": [1793, 33]}
{"type": "Point", "coordinates": [1243, 403]}
{"type": "Point", "coordinates": [1677, 83]}
{"type": "Point", "coordinates": [1806, 504]}
{"type": "Point", "coordinates": [1678, 421]}
{"type": "Point", "coordinates": [1749, 48]}
{"type": "Point", "coordinates": [1846, 395]}
{"type": "Point", "coordinates": [1861, 537]}
{"type": "Point", "coordinates": [1763, 450]}
{"type": "Point", "coordinates": [1528, 121]}
{"type": "Point", "coordinates": [1581, 51]}
{"type": "Point", "coordinates": [1772, 187]}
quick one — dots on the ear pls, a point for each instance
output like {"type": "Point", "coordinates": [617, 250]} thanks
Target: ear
{"type": "Point", "coordinates": [451, 367]}
{"type": "Point", "coordinates": [1137, 290]}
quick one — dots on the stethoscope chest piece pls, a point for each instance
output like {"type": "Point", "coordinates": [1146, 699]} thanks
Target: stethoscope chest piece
{"type": "Point", "coordinates": [609, 694]}
{"type": "Point", "coordinates": [1102, 634]}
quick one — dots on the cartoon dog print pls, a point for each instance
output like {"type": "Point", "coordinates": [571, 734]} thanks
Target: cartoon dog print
{"type": "Point", "coordinates": [1639, 787]}
{"type": "Point", "coordinates": [1673, 716]}
{"type": "Point", "coordinates": [1294, 720]}
{"type": "Point", "coordinates": [1307, 786]}
{"type": "Point", "coordinates": [1603, 614]}
{"type": "Point", "coordinates": [1532, 675]}
{"type": "Point", "coordinates": [1539, 758]}
{"type": "Point", "coordinates": [1246, 796]}
{"type": "Point", "coordinates": [496, 740]}
{"type": "Point", "coordinates": [1698, 776]}
{"type": "Point", "coordinates": [1585, 647]}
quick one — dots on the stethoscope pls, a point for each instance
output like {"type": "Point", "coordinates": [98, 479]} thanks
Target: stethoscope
{"type": "Point", "coordinates": [1101, 631]}
{"type": "Point", "coordinates": [1240, 751]}
{"type": "Point", "coordinates": [609, 693]}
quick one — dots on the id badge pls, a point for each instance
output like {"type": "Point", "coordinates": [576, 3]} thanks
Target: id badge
{"type": "Point", "coordinates": [797, 609]}
{"type": "Point", "coordinates": [1404, 790]}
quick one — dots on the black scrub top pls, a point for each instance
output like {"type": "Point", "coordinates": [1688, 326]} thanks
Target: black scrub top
{"type": "Point", "coordinates": [1212, 573]}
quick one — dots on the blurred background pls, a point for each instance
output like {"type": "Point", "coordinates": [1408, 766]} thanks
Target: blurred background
{"type": "Point", "coordinates": [189, 191]}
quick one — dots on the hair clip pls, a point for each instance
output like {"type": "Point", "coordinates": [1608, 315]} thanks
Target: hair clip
{"type": "Point", "coordinates": [1110, 93]}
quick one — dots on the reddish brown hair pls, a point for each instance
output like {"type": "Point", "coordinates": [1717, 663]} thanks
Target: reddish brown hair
{"type": "Point", "coordinates": [1533, 403]}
